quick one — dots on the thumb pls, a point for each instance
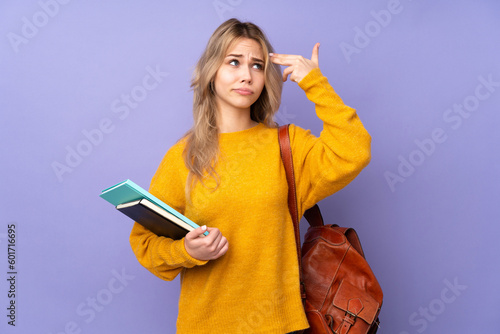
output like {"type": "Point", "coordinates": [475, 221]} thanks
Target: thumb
{"type": "Point", "coordinates": [197, 232]}
{"type": "Point", "coordinates": [315, 54]}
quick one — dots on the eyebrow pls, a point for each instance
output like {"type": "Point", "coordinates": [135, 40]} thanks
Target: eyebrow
{"type": "Point", "coordinates": [239, 56]}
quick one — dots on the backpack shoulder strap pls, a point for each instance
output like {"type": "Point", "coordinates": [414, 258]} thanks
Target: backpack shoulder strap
{"type": "Point", "coordinates": [286, 157]}
{"type": "Point", "coordinates": [312, 215]}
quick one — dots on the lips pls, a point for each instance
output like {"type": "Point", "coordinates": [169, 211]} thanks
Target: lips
{"type": "Point", "coordinates": [243, 91]}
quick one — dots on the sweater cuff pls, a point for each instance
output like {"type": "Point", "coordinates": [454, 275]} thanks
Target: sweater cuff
{"type": "Point", "coordinates": [312, 78]}
{"type": "Point", "coordinates": [187, 260]}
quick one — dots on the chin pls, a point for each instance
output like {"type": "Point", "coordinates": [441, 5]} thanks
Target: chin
{"type": "Point", "coordinates": [243, 104]}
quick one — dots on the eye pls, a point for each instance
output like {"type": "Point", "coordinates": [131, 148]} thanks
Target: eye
{"type": "Point", "coordinates": [234, 62]}
{"type": "Point", "coordinates": [258, 66]}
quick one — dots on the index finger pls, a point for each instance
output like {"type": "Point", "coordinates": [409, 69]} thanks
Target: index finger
{"type": "Point", "coordinates": [282, 59]}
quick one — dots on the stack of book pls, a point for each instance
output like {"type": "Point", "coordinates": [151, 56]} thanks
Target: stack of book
{"type": "Point", "coordinates": [147, 210]}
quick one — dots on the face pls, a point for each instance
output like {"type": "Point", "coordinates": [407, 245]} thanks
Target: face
{"type": "Point", "coordinates": [240, 79]}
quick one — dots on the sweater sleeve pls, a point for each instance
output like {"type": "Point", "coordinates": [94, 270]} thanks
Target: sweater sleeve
{"type": "Point", "coordinates": [164, 257]}
{"type": "Point", "coordinates": [325, 164]}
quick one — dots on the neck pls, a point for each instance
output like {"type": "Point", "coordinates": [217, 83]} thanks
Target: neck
{"type": "Point", "coordinates": [234, 121]}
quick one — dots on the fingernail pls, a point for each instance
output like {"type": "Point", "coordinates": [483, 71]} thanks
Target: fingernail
{"type": "Point", "coordinates": [271, 54]}
{"type": "Point", "coordinates": [204, 227]}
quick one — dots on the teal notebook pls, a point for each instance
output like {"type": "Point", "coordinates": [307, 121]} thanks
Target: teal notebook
{"type": "Point", "coordinates": [128, 191]}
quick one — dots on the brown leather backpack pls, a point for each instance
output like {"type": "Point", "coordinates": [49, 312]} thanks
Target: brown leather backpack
{"type": "Point", "coordinates": [341, 294]}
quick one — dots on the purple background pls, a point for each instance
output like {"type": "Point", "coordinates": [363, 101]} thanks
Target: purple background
{"type": "Point", "coordinates": [65, 66]}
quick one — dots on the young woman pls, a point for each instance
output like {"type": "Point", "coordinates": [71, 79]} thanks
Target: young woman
{"type": "Point", "coordinates": [226, 174]}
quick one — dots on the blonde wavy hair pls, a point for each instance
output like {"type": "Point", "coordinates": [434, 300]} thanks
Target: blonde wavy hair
{"type": "Point", "coordinates": [202, 144]}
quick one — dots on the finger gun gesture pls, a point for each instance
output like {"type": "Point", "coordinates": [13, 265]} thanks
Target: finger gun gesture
{"type": "Point", "coordinates": [297, 66]}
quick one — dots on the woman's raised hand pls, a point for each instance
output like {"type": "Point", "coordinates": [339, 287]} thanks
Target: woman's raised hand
{"type": "Point", "coordinates": [298, 66]}
{"type": "Point", "coordinates": [204, 248]}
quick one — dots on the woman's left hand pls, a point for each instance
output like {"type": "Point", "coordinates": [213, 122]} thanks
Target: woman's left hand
{"type": "Point", "coordinates": [298, 66]}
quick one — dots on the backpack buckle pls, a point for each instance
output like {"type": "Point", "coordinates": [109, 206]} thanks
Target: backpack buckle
{"type": "Point", "coordinates": [351, 316]}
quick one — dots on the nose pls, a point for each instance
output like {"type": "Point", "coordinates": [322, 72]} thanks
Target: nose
{"type": "Point", "coordinates": [245, 75]}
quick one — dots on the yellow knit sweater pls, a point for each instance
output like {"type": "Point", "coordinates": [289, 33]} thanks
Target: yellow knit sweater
{"type": "Point", "coordinates": [254, 287]}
